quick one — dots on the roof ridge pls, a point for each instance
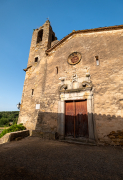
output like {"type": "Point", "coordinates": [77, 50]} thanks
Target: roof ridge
{"type": "Point", "coordinates": [85, 31]}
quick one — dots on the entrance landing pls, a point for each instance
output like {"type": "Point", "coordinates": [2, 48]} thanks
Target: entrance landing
{"type": "Point", "coordinates": [79, 140]}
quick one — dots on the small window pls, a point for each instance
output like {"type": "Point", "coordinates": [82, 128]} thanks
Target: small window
{"type": "Point", "coordinates": [97, 60]}
{"type": "Point", "coordinates": [53, 37]}
{"type": "Point", "coordinates": [56, 69]}
{"type": "Point", "coordinates": [40, 35]}
{"type": "Point", "coordinates": [36, 59]}
{"type": "Point", "coordinates": [32, 91]}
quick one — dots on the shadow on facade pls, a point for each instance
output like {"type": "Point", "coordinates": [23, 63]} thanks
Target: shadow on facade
{"type": "Point", "coordinates": [96, 126]}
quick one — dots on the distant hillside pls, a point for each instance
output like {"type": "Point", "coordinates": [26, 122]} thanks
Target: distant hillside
{"type": "Point", "coordinates": [8, 118]}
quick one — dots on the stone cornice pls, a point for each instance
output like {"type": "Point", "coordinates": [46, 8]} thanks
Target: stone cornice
{"type": "Point", "coordinates": [75, 90]}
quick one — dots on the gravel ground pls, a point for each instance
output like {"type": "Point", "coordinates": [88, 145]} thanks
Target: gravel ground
{"type": "Point", "coordinates": [33, 158]}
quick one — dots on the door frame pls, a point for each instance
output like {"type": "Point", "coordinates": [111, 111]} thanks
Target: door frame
{"type": "Point", "coordinates": [83, 95]}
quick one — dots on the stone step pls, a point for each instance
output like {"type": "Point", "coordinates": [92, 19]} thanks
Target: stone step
{"type": "Point", "coordinates": [80, 139]}
{"type": "Point", "coordinates": [78, 142]}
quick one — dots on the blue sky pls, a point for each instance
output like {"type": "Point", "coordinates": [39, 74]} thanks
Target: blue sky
{"type": "Point", "coordinates": [18, 18]}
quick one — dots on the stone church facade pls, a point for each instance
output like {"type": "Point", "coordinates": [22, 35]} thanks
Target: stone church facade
{"type": "Point", "coordinates": [74, 87]}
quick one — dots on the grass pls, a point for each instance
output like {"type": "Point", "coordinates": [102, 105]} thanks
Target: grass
{"type": "Point", "coordinates": [2, 128]}
{"type": "Point", "coordinates": [13, 128]}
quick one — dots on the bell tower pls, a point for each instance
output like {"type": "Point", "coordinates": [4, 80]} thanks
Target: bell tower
{"type": "Point", "coordinates": [36, 74]}
{"type": "Point", "coordinates": [41, 41]}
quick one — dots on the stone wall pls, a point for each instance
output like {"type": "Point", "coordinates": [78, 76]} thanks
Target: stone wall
{"type": "Point", "coordinates": [14, 136]}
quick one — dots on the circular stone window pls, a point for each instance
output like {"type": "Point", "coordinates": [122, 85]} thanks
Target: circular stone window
{"type": "Point", "coordinates": [74, 58]}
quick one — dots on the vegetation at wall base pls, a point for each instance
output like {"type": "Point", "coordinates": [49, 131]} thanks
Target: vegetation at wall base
{"type": "Point", "coordinates": [13, 128]}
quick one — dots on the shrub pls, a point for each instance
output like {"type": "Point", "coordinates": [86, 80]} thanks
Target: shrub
{"type": "Point", "coordinates": [8, 117]}
{"type": "Point", "coordinates": [13, 128]}
{"type": "Point", "coordinates": [4, 122]}
{"type": "Point", "coordinates": [15, 120]}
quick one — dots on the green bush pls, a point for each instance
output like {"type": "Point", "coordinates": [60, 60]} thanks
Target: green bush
{"type": "Point", "coordinates": [15, 120]}
{"type": "Point", "coordinates": [4, 121]}
{"type": "Point", "coordinates": [8, 117]}
{"type": "Point", "coordinates": [13, 128]}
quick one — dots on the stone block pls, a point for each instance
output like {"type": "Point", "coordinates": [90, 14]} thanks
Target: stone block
{"type": "Point", "coordinates": [112, 132]}
{"type": "Point", "coordinates": [120, 137]}
{"type": "Point", "coordinates": [116, 140]}
{"type": "Point", "coordinates": [112, 137]}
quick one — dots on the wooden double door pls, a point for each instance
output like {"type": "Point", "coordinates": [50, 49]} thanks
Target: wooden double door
{"type": "Point", "coordinates": [76, 118]}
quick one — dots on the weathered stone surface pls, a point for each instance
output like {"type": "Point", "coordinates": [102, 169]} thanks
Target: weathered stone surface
{"type": "Point", "coordinates": [116, 137]}
{"type": "Point", "coordinates": [106, 91]}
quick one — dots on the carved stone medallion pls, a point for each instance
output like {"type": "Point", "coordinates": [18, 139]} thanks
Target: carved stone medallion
{"type": "Point", "coordinates": [74, 58]}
